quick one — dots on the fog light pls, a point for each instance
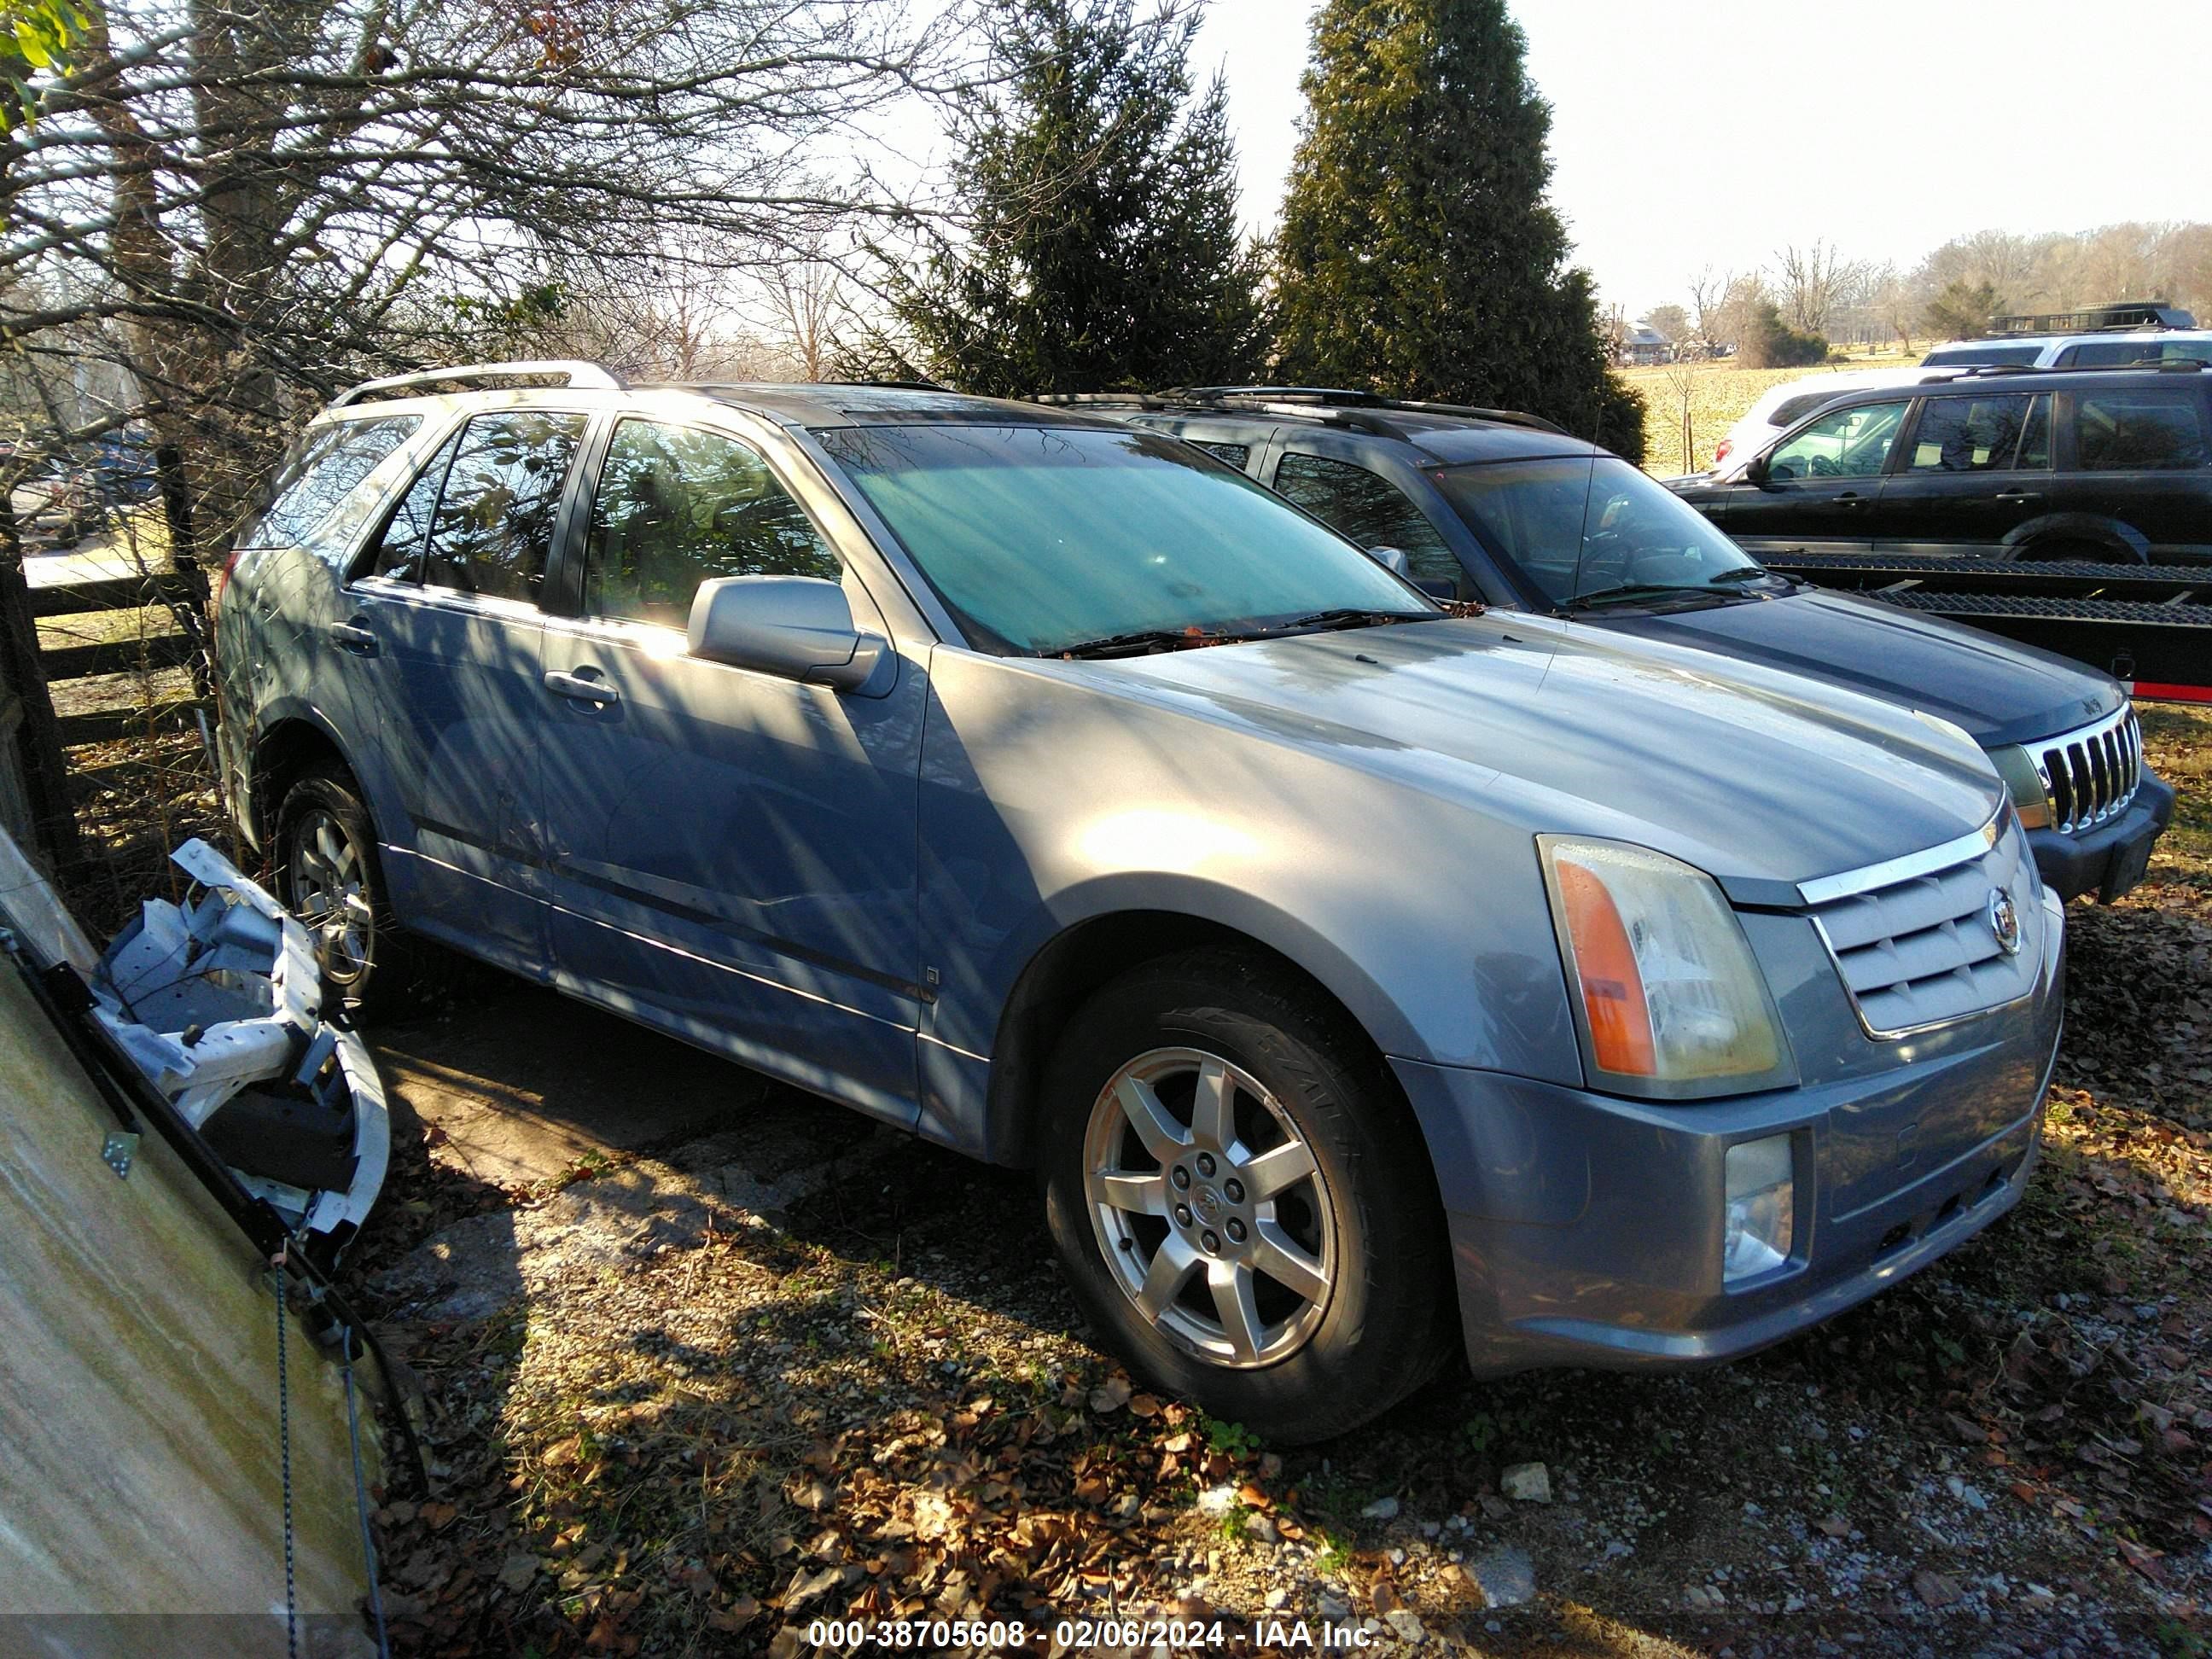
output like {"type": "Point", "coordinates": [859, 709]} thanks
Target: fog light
{"type": "Point", "coordinates": [1762, 1207]}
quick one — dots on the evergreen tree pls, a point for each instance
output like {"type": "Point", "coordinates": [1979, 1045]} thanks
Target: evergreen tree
{"type": "Point", "coordinates": [1417, 256]}
{"type": "Point", "coordinates": [1098, 203]}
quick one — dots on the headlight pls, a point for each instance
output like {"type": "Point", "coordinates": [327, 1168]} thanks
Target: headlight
{"type": "Point", "coordinates": [1670, 1002]}
{"type": "Point", "coordinates": [2024, 781]}
{"type": "Point", "coordinates": [1762, 1207]}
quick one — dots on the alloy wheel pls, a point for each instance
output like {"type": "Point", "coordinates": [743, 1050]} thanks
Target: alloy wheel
{"type": "Point", "coordinates": [1211, 1209]}
{"type": "Point", "coordinates": [329, 893]}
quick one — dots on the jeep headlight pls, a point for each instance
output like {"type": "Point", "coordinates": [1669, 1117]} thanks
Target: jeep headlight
{"type": "Point", "coordinates": [1669, 998]}
{"type": "Point", "coordinates": [2024, 782]}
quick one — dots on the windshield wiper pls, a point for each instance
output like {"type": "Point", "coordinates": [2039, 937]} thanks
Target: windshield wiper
{"type": "Point", "coordinates": [1348, 617]}
{"type": "Point", "coordinates": [1749, 573]}
{"type": "Point", "coordinates": [1631, 590]}
{"type": "Point", "coordinates": [1135, 644]}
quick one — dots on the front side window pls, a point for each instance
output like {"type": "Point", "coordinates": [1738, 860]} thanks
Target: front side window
{"type": "Point", "coordinates": [1369, 508]}
{"type": "Point", "coordinates": [676, 507]}
{"type": "Point", "coordinates": [1846, 443]}
{"type": "Point", "coordinates": [330, 465]}
{"type": "Point", "coordinates": [492, 530]}
{"type": "Point", "coordinates": [1042, 538]}
{"type": "Point", "coordinates": [1235, 455]}
{"type": "Point", "coordinates": [1594, 529]}
{"type": "Point", "coordinates": [1969, 435]}
{"type": "Point", "coordinates": [2139, 429]}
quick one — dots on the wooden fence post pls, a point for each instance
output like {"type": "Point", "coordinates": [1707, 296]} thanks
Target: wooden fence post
{"type": "Point", "coordinates": [38, 744]}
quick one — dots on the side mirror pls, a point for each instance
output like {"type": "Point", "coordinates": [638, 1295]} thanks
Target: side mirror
{"type": "Point", "coordinates": [1394, 559]}
{"type": "Point", "coordinates": [798, 627]}
{"type": "Point", "coordinates": [1755, 471]}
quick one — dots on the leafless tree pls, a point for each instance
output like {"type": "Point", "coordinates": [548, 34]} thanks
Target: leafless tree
{"type": "Point", "coordinates": [1707, 292]}
{"type": "Point", "coordinates": [1812, 281]}
{"type": "Point", "coordinates": [237, 207]}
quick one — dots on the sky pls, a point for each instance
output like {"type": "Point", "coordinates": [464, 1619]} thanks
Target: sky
{"type": "Point", "coordinates": [1689, 135]}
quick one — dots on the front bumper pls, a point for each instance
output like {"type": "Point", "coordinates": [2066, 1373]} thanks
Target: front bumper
{"type": "Point", "coordinates": [2109, 858]}
{"type": "Point", "coordinates": [1586, 1229]}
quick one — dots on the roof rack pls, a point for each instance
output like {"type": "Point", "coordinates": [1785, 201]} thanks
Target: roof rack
{"type": "Point", "coordinates": [559, 371]}
{"type": "Point", "coordinates": [1987, 371]}
{"type": "Point", "coordinates": [1344, 405]}
{"type": "Point", "coordinates": [2120, 314]}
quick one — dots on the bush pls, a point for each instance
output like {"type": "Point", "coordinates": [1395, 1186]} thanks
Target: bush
{"type": "Point", "coordinates": [1620, 419]}
{"type": "Point", "coordinates": [1770, 342]}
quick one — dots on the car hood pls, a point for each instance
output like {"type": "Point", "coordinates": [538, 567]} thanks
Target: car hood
{"type": "Point", "coordinates": [1998, 691]}
{"type": "Point", "coordinates": [1762, 779]}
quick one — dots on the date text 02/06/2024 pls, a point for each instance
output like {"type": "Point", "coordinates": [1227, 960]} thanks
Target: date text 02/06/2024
{"type": "Point", "coordinates": [1076, 1635]}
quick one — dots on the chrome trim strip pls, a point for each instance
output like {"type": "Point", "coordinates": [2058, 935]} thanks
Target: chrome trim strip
{"type": "Point", "coordinates": [2100, 768]}
{"type": "Point", "coordinates": [1975, 844]}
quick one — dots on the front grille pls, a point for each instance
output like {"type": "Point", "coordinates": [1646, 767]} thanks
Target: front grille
{"type": "Point", "coordinates": [2093, 773]}
{"type": "Point", "coordinates": [1915, 941]}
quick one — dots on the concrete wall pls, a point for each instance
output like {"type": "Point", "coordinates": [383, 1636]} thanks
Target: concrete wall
{"type": "Point", "coordinates": [139, 1504]}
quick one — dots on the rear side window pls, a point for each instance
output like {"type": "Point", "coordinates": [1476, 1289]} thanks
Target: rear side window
{"type": "Point", "coordinates": [2113, 354]}
{"type": "Point", "coordinates": [492, 530]}
{"type": "Point", "coordinates": [1371, 510]}
{"type": "Point", "coordinates": [1235, 455]}
{"type": "Point", "coordinates": [676, 507]}
{"type": "Point", "coordinates": [1969, 435]}
{"type": "Point", "coordinates": [2139, 429]}
{"type": "Point", "coordinates": [329, 468]}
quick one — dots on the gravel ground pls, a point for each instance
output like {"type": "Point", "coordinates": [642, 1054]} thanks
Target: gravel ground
{"type": "Point", "coordinates": [689, 1398]}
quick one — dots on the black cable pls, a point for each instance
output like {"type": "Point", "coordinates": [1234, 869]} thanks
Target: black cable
{"type": "Point", "coordinates": [284, 1459]}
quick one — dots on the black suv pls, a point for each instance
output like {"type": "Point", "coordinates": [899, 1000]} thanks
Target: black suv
{"type": "Point", "coordinates": [2110, 465]}
{"type": "Point", "coordinates": [1508, 510]}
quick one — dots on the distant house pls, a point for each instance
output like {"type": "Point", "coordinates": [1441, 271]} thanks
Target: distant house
{"type": "Point", "coordinates": [1643, 343]}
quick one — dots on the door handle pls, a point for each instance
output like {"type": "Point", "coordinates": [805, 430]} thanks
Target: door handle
{"type": "Point", "coordinates": [2019, 495]}
{"type": "Point", "coordinates": [1850, 498]}
{"type": "Point", "coordinates": [352, 636]}
{"type": "Point", "coordinates": [585, 685]}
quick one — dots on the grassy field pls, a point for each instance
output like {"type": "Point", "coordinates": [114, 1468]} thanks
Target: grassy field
{"type": "Point", "coordinates": [1716, 394]}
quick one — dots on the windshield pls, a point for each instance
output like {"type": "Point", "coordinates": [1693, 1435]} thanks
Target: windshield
{"type": "Point", "coordinates": [1586, 531]}
{"type": "Point", "coordinates": [1040, 540]}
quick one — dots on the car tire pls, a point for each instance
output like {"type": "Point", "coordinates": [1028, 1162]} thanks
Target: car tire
{"type": "Point", "coordinates": [327, 873]}
{"type": "Point", "coordinates": [1307, 1302]}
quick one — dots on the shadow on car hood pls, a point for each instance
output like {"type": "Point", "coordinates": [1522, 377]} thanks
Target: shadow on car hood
{"type": "Point", "coordinates": [1999, 691]}
{"type": "Point", "coordinates": [1763, 779]}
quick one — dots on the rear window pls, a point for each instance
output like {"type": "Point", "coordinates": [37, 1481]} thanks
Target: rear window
{"type": "Point", "coordinates": [2139, 429]}
{"type": "Point", "coordinates": [1791, 410]}
{"type": "Point", "coordinates": [333, 464]}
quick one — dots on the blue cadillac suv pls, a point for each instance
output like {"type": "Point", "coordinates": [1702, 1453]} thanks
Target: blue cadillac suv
{"type": "Point", "coordinates": [1361, 979]}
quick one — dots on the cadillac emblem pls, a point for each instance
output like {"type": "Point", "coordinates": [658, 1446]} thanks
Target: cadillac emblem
{"type": "Point", "coordinates": [2004, 920]}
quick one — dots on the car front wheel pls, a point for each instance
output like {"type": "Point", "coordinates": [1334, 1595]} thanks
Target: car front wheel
{"type": "Point", "coordinates": [1242, 1199]}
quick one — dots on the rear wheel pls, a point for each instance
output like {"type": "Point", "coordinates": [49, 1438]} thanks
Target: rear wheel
{"type": "Point", "coordinates": [1241, 1199]}
{"type": "Point", "coordinates": [328, 876]}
